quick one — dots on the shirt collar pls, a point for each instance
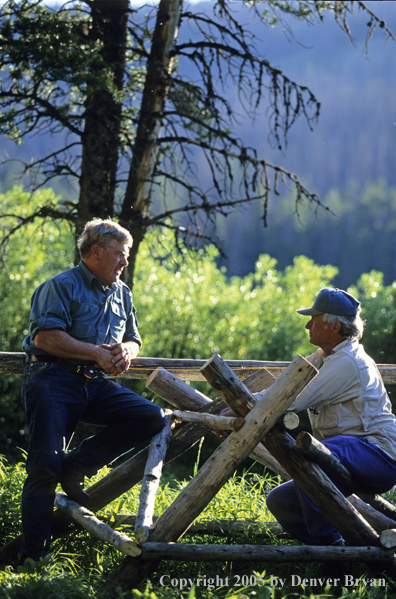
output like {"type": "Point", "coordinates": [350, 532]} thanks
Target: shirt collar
{"type": "Point", "coordinates": [90, 279]}
{"type": "Point", "coordinates": [341, 345]}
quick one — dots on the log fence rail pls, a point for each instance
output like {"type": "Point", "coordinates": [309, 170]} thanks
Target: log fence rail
{"type": "Point", "coordinates": [367, 523]}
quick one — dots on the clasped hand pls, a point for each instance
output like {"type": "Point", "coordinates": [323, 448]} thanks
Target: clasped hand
{"type": "Point", "coordinates": [116, 358]}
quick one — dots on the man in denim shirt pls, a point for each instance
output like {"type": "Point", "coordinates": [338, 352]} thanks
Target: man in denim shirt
{"type": "Point", "coordinates": [82, 327]}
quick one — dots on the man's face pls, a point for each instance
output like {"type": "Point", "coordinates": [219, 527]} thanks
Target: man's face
{"type": "Point", "coordinates": [112, 262]}
{"type": "Point", "coordinates": [319, 333]}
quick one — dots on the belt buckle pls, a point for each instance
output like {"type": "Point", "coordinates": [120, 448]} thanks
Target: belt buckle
{"type": "Point", "coordinates": [90, 372]}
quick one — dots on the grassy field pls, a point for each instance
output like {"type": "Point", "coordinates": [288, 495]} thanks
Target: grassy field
{"type": "Point", "coordinates": [79, 564]}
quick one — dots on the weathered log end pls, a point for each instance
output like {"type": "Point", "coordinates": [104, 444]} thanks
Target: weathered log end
{"type": "Point", "coordinates": [388, 538]}
{"type": "Point", "coordinates": [153, 375]}
{"type": "Point", "coordinates": [130, 548]}
{"type": "Point", "coordinates": [142, 534]}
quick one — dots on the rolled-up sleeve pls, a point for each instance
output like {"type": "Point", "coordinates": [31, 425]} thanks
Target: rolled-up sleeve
{"type": "Point", "coordinates": [50, 307]}
{"type": "Point", "coordinates": [131, 327]}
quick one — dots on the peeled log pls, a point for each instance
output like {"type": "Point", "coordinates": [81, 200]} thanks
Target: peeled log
{"type": "Point", "coordinates": [151, 480]}
{"type": "Point", "coordinates": [80, 514]}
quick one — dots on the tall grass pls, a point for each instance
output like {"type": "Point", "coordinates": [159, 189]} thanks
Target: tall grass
{"type": "Point", "coordinates": [79, 563]}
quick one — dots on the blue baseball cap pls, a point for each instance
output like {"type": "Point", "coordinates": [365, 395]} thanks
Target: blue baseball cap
{"type": "Point", "coordinates": [333, 301]}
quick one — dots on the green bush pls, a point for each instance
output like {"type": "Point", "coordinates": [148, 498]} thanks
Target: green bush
{"type": "Point", "coordinates": [187, 307]}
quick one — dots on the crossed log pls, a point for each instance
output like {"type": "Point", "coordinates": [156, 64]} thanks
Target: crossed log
{"type": "Point", "coordinates": [176, 520]}
{"type": "Point", "coordinates": [260, 418]}
{"type": "Point", "coordinates": [259, 424]}
{"type": "Point", "coordinates": [131, 472]}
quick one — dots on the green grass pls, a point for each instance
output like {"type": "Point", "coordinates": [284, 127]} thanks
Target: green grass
{"type": "Point", "coordinates": [79, 563]}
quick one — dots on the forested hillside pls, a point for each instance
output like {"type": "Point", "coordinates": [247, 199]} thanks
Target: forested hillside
{"type": "Point", "coordinates": [347, 158]}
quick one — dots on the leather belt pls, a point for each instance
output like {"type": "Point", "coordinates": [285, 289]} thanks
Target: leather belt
{"type": "Point", "coordinates": [90, 371]}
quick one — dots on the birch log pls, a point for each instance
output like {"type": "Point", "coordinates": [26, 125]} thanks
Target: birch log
{"type": "Point", "coordinates": [268, 553]}
{"type": "Point", "coordinates": [151, 480]}
{"type": "Point", "coordinates": [221, 423]}
{"type": "Point", "coordinates": [80, 514]}
{"type": "Point", "coordinates": [174, 522]}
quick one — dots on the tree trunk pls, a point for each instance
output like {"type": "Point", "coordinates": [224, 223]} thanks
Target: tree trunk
{"type": "Point", "coordinates": [101, 138]}
{"type": "Point", "coordinates": [144, 157]}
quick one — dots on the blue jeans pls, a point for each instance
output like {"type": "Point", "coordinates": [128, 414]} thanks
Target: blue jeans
{"type": "Point", "coordinates": [55, 400]}
{"type": "Point", "coordinates": [366, 462]}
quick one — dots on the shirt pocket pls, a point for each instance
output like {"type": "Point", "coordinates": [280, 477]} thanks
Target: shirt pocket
{"type": "Point", "coordinates": [325, 419]}
{"type": "Point", "coordinates": [118, 320]}
{"type": "Point", "coordinates": [118, 310]}
{"type": "Point", "coordinates": [84, 318]}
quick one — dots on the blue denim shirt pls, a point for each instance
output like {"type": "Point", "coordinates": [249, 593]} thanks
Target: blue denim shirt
{"type": "Point", "coordinates": [76, 302]}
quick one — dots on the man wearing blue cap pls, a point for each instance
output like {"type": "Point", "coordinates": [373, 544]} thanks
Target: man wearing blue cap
{"type": "Point", "coordinates": [349, 410]}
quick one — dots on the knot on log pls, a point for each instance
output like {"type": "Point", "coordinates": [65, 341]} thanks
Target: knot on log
{"type": "Point", "coordinates": [151, 477]}
{"type": "Point", "coordinates": [217, 385]}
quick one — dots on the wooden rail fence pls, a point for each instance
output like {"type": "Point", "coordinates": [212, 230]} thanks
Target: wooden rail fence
{"type": "Point", "coordinates": [367, 523]}
{"type": "Point", "coordinates": [186, 370]}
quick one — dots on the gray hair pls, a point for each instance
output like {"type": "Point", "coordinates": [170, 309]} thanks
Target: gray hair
{"type": "Point", "coordinates": [351, 326]}
{"type": "Point", "coordinates": [101, 232]}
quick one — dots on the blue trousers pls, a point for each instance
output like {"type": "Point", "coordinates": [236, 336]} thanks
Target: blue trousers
{"type": "Point", "coordinates": [366, 462]}
{"type": "Point", "coordinates": [55, 400]}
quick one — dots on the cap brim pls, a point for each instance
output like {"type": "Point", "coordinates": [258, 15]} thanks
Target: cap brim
{"type": "Point", "coordinates": [309, 312]}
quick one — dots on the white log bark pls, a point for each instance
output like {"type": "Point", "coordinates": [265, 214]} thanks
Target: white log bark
{"type": "Point", "coordinates": [151, 480]}
{"type": "Point", "coordinates": [80, 514]}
